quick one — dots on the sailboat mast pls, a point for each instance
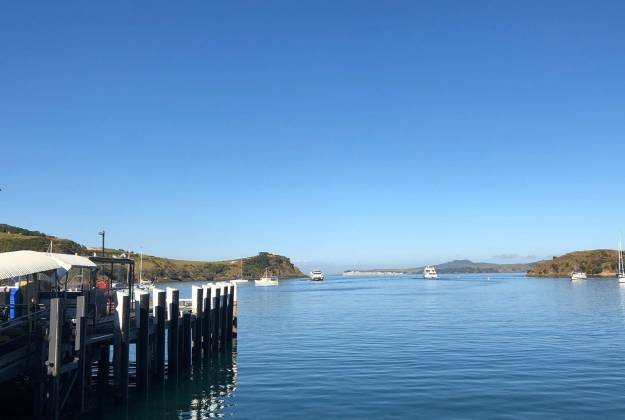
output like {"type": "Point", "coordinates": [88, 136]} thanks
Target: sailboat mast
{"type": "Point", "coordinates": [620, 257]}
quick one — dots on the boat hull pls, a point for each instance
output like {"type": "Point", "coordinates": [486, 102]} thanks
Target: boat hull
{"type": "Point", "coordinates": [265, 283]}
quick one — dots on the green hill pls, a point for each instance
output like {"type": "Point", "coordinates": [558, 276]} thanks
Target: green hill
{"type": "Point", "coordinates": [595, 263]}
{"type": "Point", "coordinates": [15, 239]}
{"type": "Point", "coordinates": [155, 268]}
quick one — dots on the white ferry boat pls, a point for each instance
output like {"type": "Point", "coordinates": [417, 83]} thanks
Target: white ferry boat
{"type": "Point", "coordinates": [316, 275]}
{"type": "Point", "coordinates": [429, 272]}
{"type": "Point", "coordinates": [578, 275]}
{"type": "Point", "coordinates": [267, 280]}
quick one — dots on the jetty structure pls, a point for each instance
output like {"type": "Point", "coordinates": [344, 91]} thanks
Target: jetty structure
{"type": "Point", "coordinates": [68, 324]}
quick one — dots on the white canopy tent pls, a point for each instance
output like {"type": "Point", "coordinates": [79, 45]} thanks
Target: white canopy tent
{"type": "Point", "coordinates": [22, 263]}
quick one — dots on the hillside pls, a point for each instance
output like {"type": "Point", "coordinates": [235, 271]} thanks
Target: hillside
{"type": "Point", "coordinates": [467, 266]}
{"type": "Point", "coordinates": [596, 263]}
{"type": "Point", "coordinates": [160, 269]}
{"type": "Point", "coordinates": [155, 268]}
{"type": "Point", "coordinates": [14, 239]}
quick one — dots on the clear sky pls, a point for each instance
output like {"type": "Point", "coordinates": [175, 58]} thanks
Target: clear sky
{"type": "Point", "coordinates": [338, 133]}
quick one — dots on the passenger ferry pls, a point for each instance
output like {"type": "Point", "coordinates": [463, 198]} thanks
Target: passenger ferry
{"type": "Point", "coordinates": [316, 275]}
{"type": "Point", "coordinates": [429, 272]}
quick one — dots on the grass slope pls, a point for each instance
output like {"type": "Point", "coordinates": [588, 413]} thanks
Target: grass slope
{"type": "Point", "coordinates": [596, 263]}
{"type": "Point", "coordinates": [156, 268]}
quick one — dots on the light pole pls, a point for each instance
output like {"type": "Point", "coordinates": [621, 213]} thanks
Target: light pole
{"type": "Point", "coordinates": [102, 234]}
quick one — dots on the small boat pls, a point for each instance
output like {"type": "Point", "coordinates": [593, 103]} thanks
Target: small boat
{"type": "Point", "coordinates": [240, 279]}
{"type": "Point", "coordinates": [578, 275]}
{"type": "Point", "coordinates": [429, 272]}
{"type": "Point", "coordinates": [621, 264]}
{"type": "Point", "coordinates": [267, 280]}
{"type": "Point", "coordinates": [316, 275]}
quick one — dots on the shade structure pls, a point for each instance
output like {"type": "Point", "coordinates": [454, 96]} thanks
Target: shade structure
{"type": "Point", "coordinates": [22, 263]}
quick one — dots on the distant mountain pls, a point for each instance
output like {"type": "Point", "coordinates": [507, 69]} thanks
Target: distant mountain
{"type": "Point", "coordinates": [596, 263]}
{"type": "Point", "coordinates": [468, 266]}
{"type": "Point", "coordinates": [154, 268]}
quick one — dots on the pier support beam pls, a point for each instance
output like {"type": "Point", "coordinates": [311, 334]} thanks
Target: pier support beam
{"type": "Point", "coordinates": [231, 292]}
{"type": "Point", "coordinates": [217, 320]}
{"type": "Point", "coordinates": [160, 313]}
{"type": "Point", "coordinates": [173, 301]}
{"type": "Point", "coordinates": [185, 358]}
{"type": "Point", "coordinates": [197, 296]}
{"type": "Point", "coordinates": [123, 312]}
{"type": "Point", "coordinates": [224, 316]}
{"type": "Point", "coordinates": [206, 325]}
{"type": "Point", "coordinates": [143, 343]}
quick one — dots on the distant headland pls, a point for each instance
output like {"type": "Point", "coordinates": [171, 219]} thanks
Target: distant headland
{"type": "Point", "coordinates": [595, 263]}
{"type": "Point", "coordinates": [155, 268]}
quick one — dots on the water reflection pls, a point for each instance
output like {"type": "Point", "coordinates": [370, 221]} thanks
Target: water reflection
{"type": "Point", "coordinates": [205, 393]}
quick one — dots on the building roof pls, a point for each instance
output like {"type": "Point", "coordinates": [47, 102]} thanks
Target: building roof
{"type": "Point", "coordinates": [73, 260]}
{"type": "Point", "coordinates": [23, 263]}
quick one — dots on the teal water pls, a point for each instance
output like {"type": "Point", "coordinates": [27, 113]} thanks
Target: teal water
{"type": "Point", "coordinates": [461, 347]}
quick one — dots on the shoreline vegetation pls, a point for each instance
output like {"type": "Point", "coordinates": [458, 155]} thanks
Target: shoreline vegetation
{"type": "Point", "coordinates": [595, 263]}
{"type": "Point", "coordinates": [155, 268]}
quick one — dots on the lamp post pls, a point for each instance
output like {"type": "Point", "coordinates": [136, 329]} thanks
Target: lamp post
{"type": "Point", "coordinates": [102, 234]}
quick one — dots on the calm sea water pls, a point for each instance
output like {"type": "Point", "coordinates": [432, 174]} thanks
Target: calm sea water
{"type": "Point", "coordinates": [463, 346]}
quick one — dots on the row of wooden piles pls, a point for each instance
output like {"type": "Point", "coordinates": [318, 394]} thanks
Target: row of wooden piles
{"type": "Point", "coordinates": [169, 334]}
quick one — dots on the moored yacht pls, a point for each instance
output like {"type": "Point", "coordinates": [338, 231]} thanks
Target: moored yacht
{"type": "Point", "coordinates": [429, 272]}
{"type": "Point", "coordinates": [316, 275]}
{"type": "Point", "coordinates": [578, 275]}
{"type": "Point", "coordinates": [267, 280]}
{"type": "Point", "coordinates": [621, 265]}
{"type": "Point", "coordinates": [240, 279]}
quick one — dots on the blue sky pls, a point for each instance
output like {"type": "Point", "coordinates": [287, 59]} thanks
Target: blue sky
{"type": "Point", "coordinates": [339, 133]}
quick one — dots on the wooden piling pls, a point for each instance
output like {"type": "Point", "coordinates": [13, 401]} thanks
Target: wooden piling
{"type": "Point", "coordinates": [197, 296]}
{"type": "Point", "coordinates": [173, 335]}
{"type": "Point", "coordinates": [235, 308]}
{"type": "Point", "coordinates": [143, 343]}
{"type": "Point", "coordinates": [159, 335]}
{"type": "Point", "coordinates": [185, 358]}
{"type": "Point", "coordinates": [206, 325]}
{"type": "Point", "coordinates": [216, 320]}
{"type": "Point", "coordinates": [231, 291]}
{"type": "Point", "coordinates": [124, 315]}
{"type": "Point", "coordinates": [224, 316]}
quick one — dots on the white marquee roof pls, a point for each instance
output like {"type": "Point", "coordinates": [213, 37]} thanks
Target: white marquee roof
{"type": "Point", "coordinates": [23, 263]}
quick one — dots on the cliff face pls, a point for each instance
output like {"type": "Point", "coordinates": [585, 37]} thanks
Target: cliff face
{"type": "Point", "coordinates": [597, 263]}
{"type": "Point", "coordinates": [156, 268]}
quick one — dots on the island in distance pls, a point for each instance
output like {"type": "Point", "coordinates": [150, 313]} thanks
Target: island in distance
{"type": "Point", "coordinates": [451, 267]}
{"type": "Point", "coordinates": [595, 263]}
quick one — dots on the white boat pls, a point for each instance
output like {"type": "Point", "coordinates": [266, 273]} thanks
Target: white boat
{"type": "Point", "coordinates": [316, 275]}
{"type": "Point", "coordinates": [267, 280]}
{"type": "Point", "coordinates": [578, 275]}
{"type": "Point", "coordinates": [621, 266]}
{"type": "Point", "coordinates": [429, 272]}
